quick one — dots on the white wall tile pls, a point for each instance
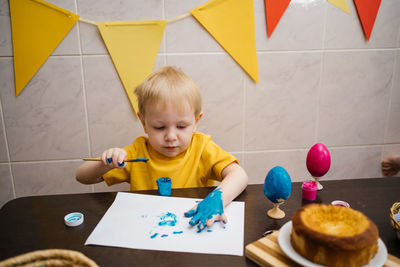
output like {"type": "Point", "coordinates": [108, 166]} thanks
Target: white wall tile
{"type": "Point", "coordinates": [345, 30]}
{"type": "Point", "coordinates": [179, 34]}
{"type": "Point", "coordinates": [300, 28]}
{"type": "Point", "coordinates": [3, 144]}
{"type": "Point", "coordinates": [47, 178]}
{"type": "Point", "coordinates": [393, 127]}
{"type": "Point", "coordinates": [258, 164]}
{"type": "Point", "coordinates": [281, 109]}
{"type": "Point", "coordinates": [354, 163]}
{"type": "Point", "coordinates": [5, 36]}
{"type": "Point", "coordinates": [6, 189]}
{"type": "Point", "coordinates": [104, 10]}
{"type": "Point", "coordinates": [46, 121]}
{"type": "Point", "coordinates": [355, 96]}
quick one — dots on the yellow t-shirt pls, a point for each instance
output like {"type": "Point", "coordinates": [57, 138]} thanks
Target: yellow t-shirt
{"type": "Point", "coordinates": [201, 164]}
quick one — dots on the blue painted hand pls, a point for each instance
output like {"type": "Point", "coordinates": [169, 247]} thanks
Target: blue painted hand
{"type": "Point", "coordinates": [207, 211]}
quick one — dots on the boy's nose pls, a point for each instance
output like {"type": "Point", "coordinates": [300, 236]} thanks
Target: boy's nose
{"type": "Point", "coordinates": [170, 135]}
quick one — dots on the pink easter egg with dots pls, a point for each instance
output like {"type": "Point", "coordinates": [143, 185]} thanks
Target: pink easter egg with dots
{"type": "Point", "coordinates": [318, 160]}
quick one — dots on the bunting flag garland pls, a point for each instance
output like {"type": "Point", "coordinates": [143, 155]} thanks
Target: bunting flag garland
{"type": "Point", "coordinates": [231, 23]}
{"type": "Point", "coordinates": [273, 13]}
{"type": "Point", "coordinates": [367, 11]}
{"type": "Point", "coordinates": [342, 4]}
{"type": "Point", "coordinates": [37, 29]}
{"type": "Point", "coordinates": [133, 47]}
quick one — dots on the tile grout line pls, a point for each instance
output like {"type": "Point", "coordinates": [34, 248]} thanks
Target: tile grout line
{"type": "Point", "coordinates": [395, 66]}
{"type": "Point", "coordinates": [8, 152]}
{"type": "Point", "coordinates": [84, 90]}
{"type": "Point", "coordinates": [244, 117]}
{"type": "Point", "coordinates": [321, 72]}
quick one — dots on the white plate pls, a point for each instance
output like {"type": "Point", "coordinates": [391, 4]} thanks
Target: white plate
{"type": "Point", "coordinates": [286, 246]}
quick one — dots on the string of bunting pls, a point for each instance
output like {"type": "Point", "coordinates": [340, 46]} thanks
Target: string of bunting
{"type": "Point", "coordinates": [38, 27]}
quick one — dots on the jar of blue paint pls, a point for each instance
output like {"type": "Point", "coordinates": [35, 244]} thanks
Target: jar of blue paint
{"type": "Point", "coordinates": [164, 186]}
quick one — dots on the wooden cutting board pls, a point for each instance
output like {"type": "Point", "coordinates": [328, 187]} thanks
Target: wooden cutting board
{"type": "Point", "coordinates": [267, 252]}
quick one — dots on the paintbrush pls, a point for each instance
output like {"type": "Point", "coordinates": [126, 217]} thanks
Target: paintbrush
{"type": "Point", "coordinates": [125, 160]}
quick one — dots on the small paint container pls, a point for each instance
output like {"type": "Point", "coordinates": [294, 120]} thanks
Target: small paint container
{"type": "Point", "coordinates": [164, 186]}
{"type": "Point", "coordinates": [340, 203]}
{"type": "Point", "coordinates": [309, 190]}
{"type": "Point", "coordinates": [73, 219]}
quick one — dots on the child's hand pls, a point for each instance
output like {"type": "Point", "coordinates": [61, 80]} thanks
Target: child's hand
{"type": "Point", "coordinates": [114, 158]}
{"type": "Point", "coordinates": [207, 211]}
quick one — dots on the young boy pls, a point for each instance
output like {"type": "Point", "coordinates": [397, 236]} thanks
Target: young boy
{"type": "Point", "coordinates": [170, 110]}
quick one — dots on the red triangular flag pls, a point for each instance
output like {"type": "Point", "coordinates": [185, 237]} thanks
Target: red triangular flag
{"type": "Point", "coordinates": [274, 10]}
{"type": "Point", "coordinates": [367, 11]}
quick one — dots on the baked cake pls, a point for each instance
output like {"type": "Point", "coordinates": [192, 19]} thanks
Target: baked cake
{"type": "Point", "coordinates": [333, 235]}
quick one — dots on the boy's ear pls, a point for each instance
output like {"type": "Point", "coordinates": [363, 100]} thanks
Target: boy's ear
{"type": "Point", "coordinates": [142, 121]}
{"type": "Point", "coordinates": [197, 121]}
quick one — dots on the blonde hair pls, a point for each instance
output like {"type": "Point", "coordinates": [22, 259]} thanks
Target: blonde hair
{"type": "Point", "coordinates": [169, 86]}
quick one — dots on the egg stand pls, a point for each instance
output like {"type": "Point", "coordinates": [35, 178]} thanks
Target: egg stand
{"type": "Point", "coordinates": [319, 185]}
{"type": "Point", "coordinates": [276, 212]}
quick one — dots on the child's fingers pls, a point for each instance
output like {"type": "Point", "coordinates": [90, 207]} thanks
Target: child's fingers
{"type": "Point", "coordinates": [195, 220]}
{"type": "Point", "coordinates": [191, 212]}
{"type": "Point", "coordinates": [222, 218]}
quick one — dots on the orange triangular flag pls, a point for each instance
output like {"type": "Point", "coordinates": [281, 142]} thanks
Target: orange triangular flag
{"type": "Point", "coordinates": [37, 29]}
{"type": "Point", "coordinates": [133, 47]}
{"type": "Point", "coordinates": [367, 11]}
{"type": "Point", "coordinates": [231, 23]}
{"type": "Point", "coordinates": [274, 10]}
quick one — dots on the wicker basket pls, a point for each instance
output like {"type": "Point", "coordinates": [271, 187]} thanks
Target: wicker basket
{"type": "Point", "coordinates": [395, 209]}
{"type": "Point", "coordinates": [49, 258]}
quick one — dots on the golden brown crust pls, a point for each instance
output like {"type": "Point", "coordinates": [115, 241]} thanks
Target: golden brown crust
{"type": "Point", "coordinates": [367, 237]}
{"type": "Point", "coordinates": [334, 236]}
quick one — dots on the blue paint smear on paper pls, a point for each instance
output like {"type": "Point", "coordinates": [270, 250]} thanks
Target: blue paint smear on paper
{"type": "Point", "coordinates": [168, 219]}
{"type": "Point", "coordinates": [164, 235]}
{"type": "Point", "coordinates": [177, 232]}
{"type": "Point", "coordinates": [153, 236]}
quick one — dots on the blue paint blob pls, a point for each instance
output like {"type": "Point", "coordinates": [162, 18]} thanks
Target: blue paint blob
{"type": "Point", "coordinates": [164, 186]}
{"type": "Point", "coordinates": [109, 160]}
{"type": "Point", "coordinates": [153, 236]}
{"type": "Point", "coordinates": [164, 235]}
{"type": "Point", "coordinates": [277, 185]}
{"type": "Point", "coordinates": [177, 232]}
{"type": "Point", "coordinates": [168, 219]}
{"type": "Point", "coordinates": [211, 205]}
{"type": "Point", "coordinates": [209, 230]}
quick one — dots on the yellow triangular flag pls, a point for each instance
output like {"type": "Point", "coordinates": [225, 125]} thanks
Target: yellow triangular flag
{"type": "Point", "coordinates": [231, 23]}
{"type": "Point", "coordinates": [342, 4]}
{"type": "Point", "coordinates": [37, 29]}
{"type": "Point", "coordinates": [133, 46]}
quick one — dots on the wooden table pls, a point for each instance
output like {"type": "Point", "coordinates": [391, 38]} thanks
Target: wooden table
{"type": "Point", "coordinates": [34, 223]}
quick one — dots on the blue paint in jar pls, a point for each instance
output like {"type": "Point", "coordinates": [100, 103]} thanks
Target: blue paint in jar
{"type": "Point", "coordinates": [164, 186]}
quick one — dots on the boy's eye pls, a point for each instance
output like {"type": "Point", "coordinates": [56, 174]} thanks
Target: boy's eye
{"type": "Point", "coordinates": [160, 128]}
{"type": "Point", "coordinates": [181, 126]}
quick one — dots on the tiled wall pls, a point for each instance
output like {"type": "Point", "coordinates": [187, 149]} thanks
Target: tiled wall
{"type": "Point", "coordinates": [320, 81]}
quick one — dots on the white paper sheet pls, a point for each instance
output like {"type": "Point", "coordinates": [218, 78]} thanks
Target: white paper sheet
{"type": "Point", "coordinates": [146, 222]}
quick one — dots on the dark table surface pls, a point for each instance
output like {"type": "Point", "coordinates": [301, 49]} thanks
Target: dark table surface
{"type": "Point", "coordinates": [34, 223]}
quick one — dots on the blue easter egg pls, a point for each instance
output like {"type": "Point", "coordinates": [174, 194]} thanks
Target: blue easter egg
{"type": "Point", "coordinates": [277, 185]}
